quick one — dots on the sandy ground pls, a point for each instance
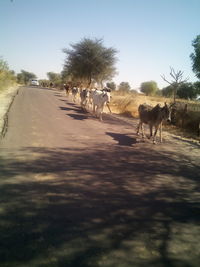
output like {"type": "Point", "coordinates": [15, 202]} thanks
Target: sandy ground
{"type": "Point", "coordinates": [6, 98]}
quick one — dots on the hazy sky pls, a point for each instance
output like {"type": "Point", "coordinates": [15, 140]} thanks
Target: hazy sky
{"type": "Point", "coordinates": [150, 35]}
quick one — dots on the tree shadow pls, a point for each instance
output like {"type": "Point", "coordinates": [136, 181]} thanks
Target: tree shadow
{"type": "Point", "coordinates": [195, 144]}
{"type": "Point", "coordinates": [101, 207]}
{"type": "Point", "coordinates": [122, 139]}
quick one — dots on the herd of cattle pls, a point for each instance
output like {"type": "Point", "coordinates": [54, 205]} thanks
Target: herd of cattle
{"type": "Point", "coordinates": [153, 116]}
{"type": "Point", "coordinates": [97, 98]}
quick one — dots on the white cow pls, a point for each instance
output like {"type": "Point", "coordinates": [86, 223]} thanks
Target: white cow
{"type": "Point", "coordinates": [99, 99]}
{"type": "Point", "coordinates": [84, 95]}
{"type": "Point", "coordinates": [91, 93]}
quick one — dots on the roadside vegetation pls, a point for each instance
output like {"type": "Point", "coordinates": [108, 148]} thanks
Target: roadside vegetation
{"type": "Point", "coordinates": [7, 76]}
{"type": "Point", "coordinates": [24, 77]}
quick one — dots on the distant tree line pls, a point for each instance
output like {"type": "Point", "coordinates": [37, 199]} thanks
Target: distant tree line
{"type": "Point", "coordinates": [24, 77]}
{"type": "Point", "coordinates": [89, 62]}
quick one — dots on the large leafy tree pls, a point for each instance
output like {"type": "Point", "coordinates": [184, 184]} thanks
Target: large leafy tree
{"type": "Point", "coordinates": [149, 88]}
{"type": "Point", "coordinates": [168, 91]}
{"type": "Point", "coordinates": [196, 56]}
{"type": "Point", "coordinates": [24, 76]}
{"type": "Point", "coordinates": [52, 76]}
{"type": "Point", "coordinates": [90, 60]}
{"type": "Point", "coordinates": [187, 91]}
{"type": "Point", "coordinates": [197, 87]}
{"type": "Point", "coordinates": [7, 76]}
{"type": "Point", "coordinates": [3, 65]}
{"type": "Point", "coordinates": [124, 87]}
{"type": "Point", "coordinates": [55, 78]}
{"type": "Point", "coordinates": [111, 85]}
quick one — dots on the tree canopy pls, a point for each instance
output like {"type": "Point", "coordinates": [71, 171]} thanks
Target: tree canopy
{"type": "Point", "coordinates": [55, 78]}
{"type": "Point", "coordinates": [149, 88]}
{"type": "Point", "coordinates": [196, 56]}
{"type": "Point", "coordinates": [111, 85]}
{"type": "Point", "coordinates": [168, 91]}
{"type": "Point", "coordinates": [124, 87]}
{"type": "Point", "coordinates": [187, 91]}
{"type": "Point", "coordinates": [24, 76]}
{"type": "Point", "coordinates": [7, 76]}
{"type": "Point", "coordinates": [90, 60]}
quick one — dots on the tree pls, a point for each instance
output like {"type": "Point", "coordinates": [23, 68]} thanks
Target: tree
{"type": "Point", "coordinates": [55, 78]}
{"type": "Point", "coordinates": [90, 60]}
{"type": "Point", "coordinates": [7, 76]}
{"type": "Point", "coordinates": [111, 85]}
{"type": "Point", "coordinates": [3, 65]}
{"type": "Point", "coordinates": [177, 80]}
{"type": "Point", "coordinates": [124, 87]}
{"type": "Point", "coordinates": [196, 56]}
{"type": "Point", "coordinates": [52, 76]}
{"type": "Point", "coordinates": [187, 91]}
{"type": "Point", "coordinates": [197, 87]}
{"type": "Point", "coordinates": [24, 77]}
{"type": "Point", "coordinates": [168, 91]}
{"type": "Point", "coordinates": [149, 88]}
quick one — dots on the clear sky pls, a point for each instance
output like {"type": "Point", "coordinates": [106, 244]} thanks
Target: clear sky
{"type": "Point", "coordinates": [150, 35]}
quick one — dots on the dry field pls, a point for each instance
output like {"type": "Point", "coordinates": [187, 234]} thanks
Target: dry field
{"type": "Point", "coordinates": [186, 123]}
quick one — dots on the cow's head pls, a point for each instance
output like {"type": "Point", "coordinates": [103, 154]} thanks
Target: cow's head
{"type": "Point", "coordinates": [166, 112]}
{"type": "Point", "coordinates": [106, 96]}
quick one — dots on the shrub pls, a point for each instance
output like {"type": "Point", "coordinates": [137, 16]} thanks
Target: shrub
{"type": "Point", "coordinates": [7, 77]}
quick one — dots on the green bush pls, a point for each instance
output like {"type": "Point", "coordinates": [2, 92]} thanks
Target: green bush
{"type": "Point", "coordinates": [7, 77]}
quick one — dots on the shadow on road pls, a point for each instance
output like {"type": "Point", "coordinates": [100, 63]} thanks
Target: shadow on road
{"type": "Point", "coordinates": [122, 139]}
{"type": "Point", "coordinates": [107, 206]}
{"type": "Point", "coordinates": [78, 110]}
{"type": "Point", "coordinates": [78, 117]}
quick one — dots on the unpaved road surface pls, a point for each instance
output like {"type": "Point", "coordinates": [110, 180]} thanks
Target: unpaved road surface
{"type": "Point", "coordinates": [79, 192]}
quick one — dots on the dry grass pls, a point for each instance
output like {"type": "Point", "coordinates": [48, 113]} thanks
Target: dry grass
{"type": "Point", "coordinates": [128, 104]}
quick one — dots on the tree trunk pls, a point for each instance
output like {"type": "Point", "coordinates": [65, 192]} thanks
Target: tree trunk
{"type": "Point", "coordinates": [175, 92]}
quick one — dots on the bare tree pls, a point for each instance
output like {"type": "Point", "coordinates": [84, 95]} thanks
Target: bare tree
{"type": "Point", "coordinates": [177, 80]}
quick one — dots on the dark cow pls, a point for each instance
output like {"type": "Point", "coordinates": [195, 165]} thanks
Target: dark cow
{"type": "Point", "coordinates": [75, 92]}
{"type": "Point", "coordinates": [67, 89]}
{"type": "Point", "coordinates": [153, 116]}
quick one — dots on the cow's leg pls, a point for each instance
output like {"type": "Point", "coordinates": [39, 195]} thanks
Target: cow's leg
{"type": "Point", "coordinates": [154, 136]}
{"type": "Point", "coordinates": [142, 128]}
{"type": "Point", "coordinates": [150, 131]}
{"type": "Point", "coordinates": [93, 109]}
{"type": "Point", "coordinates": [82, 105]}
{"type": "Point", "coordinates": [100, 113]}
{"type": "Point", "coordinates": [161, 132]}
{"type": "Point", "coordinates": [86, 104]}
{"type": "Point", "coordinates": [138, 128]}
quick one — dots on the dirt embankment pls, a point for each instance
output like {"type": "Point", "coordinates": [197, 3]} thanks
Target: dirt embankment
{"type": "Point", "coordinates": [6, 99]}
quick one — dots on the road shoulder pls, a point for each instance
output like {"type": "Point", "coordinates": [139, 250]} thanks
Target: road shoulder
{"type": "Point", "coordinates": [6, 100]}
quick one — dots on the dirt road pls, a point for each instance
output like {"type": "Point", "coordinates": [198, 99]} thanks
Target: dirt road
{"type": "Point", "coordinates": [79, 192]}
